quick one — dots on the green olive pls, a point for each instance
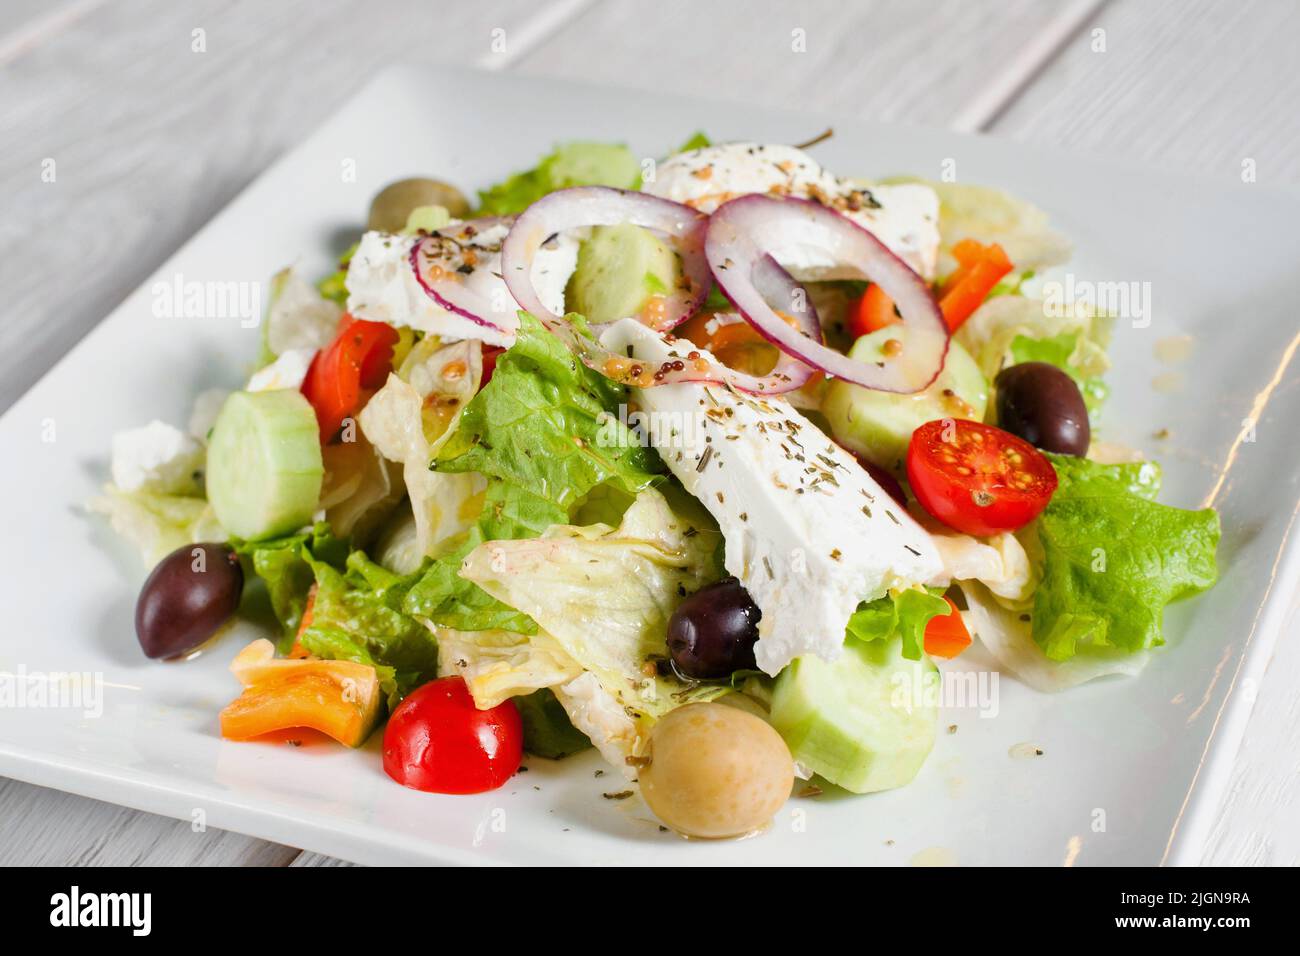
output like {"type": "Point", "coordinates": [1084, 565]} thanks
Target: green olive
{"type": "Point", "coordinates": [715, 771]}
{"type": "Point", "coordinates": [391, 207]}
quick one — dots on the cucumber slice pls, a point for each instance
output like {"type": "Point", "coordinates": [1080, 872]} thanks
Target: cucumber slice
{"type": "Point", "coordinates": [619, 268]}
{"type": "Point", "coordinates": [866, 722]}
{"type": "Point", "coordinates": [879, 425]}
{"type": "Point", "coordinates": [264, 464]}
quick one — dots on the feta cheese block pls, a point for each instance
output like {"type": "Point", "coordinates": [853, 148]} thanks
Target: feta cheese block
{"type": "Point", "coordinates": [157, 458]}
{"type": "Point", "coordinates": [808, 532]}
{"type": "Point", "coordinates": [904, 217]}
{"type": "Point", "coordinates": [287, 371]}
{"type": "Point", "coordinates": [382, 286]}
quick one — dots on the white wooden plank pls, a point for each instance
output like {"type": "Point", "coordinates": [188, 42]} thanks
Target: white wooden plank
{"type": "Point", "coordinates": [41, 827]}
{"type": "Point", "coordinates": [151, 138]}
{"type": "Point", "coordinates": [1194, 84]}
{"type": "Point", "coordinates": [30, 23]}
{"type": "Point", "coordinates": [315, 859]}
{"type": "Point", "coordinates": [883, 59]}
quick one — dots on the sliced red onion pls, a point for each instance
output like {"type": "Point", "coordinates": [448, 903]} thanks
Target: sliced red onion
{"type": "Point", "coordinates": [442, 260]}
{"type": "Point", "coordinates": [746, 232]}
{"type": "Point", "coordinates": [584, 206]}
{"type": "Point", "coordinates": [774, 284]}
{"type": "Point", "coordinates": [602, 206]}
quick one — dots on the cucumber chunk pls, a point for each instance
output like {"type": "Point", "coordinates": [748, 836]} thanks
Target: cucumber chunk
{"type": "Point", "coordinates": [879, 425]}
{"type": "Point", "coordinates": [619, 268]}
{"type": "Point", "coordinates": [264, 464]}
{"type": "Point", "coordinates": [865, 722]}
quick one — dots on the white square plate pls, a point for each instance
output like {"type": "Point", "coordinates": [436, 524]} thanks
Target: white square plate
{"type": "Point", "coordinates": [1131, 770]}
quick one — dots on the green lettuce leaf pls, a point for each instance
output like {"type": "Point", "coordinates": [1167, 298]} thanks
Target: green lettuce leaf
{"type": "Point", "coordinates": [905, 613]}
{"type": "Point", "coordinates": [1113, 558]}
{"type": "Point", "coordinates": [1083, 477]}
{"type": "Point", "coordinates": [284, 566]}
{"type": "Point", "coordinates": [354, 618]}
{"type": "Point", "coordinates": [571, 164]}
{"type": "Point", "coordinates": [539, 431]}
{"type": "Point", "coordinates": [604, 595]}
{"type": "Point", "coordinates": [698, 140]}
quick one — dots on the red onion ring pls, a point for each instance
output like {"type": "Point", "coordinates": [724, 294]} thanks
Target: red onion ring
{"type": "Point", "coordinates": [583, 206]}
{"type": "Point", "coordinates": [745, 232]}
{"type": "Point", "coordinates": [445, 249]}
{"type": "Point", "coordinates": [603, 206]}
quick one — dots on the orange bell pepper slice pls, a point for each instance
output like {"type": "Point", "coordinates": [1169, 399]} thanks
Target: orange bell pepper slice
{"type": "Point", "coordinates": [980, 268]}
{"type": "Point", "coordinates": [946, 635]}
{"type": "Point", "coordinates": [341, 699]}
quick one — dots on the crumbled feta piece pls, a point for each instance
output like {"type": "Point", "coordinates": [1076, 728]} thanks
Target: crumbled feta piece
{"type": "Point", "coordinates": [808, 532]}
{"type": "Point", "coordinates": [904, 217]}
{"type": "Point", "coordinates": [287, 371]}
{"type": "Point", "coordinates": [157, 458]}
{"type": "Point", "coordinates": [382, 286]}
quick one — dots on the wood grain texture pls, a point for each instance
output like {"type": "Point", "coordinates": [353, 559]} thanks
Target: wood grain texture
{"type": "Point", "coordinates": [872, 58]}
{"type": "Point", "coordinates": [41, 827]}
{"type": "Point", "coordinates": [1197, 85]}
{"type": "Point", "coordinates": [151, 138]}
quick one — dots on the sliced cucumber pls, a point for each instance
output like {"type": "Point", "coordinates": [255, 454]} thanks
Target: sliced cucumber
{"type": "Point", "coordinates": [619, 268]}
{"type": "Point", "coordinates": [865, 722]}
{"type": "Point", "coordinates": [879, 425]}
{"type": "Point", "coordinates": [264, 463]}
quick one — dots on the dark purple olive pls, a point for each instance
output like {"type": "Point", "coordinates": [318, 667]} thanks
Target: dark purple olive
{"type": "Point", "coordinates": [1042, 405]}
{"type": "Point", "coordinates": [191, 593]}
{"type": "Point", "coordinates": [713, 632]}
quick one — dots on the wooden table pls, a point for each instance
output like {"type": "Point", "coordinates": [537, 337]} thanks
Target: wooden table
{"type": "Point", "coordinates": [158, 112]}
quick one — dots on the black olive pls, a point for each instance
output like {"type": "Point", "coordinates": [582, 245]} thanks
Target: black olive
{"type": "Point", "coordinates": [191, 593]}
{"type": "Point", "coordinates": [1042, 405]}
{"type": "Point", "coordinates": [713, 632]}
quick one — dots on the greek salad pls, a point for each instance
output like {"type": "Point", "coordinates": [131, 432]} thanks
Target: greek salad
{"type": "Point", "coordinates": [696, 461]}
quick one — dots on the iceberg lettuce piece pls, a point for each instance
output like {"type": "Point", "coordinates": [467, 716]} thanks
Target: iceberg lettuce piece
{"type": "Point", "coordinates": [410, 419]}
{"type": "Point", "coordinates": [605, 595]}
{"type": "Point", "coordinates": [157, 524]}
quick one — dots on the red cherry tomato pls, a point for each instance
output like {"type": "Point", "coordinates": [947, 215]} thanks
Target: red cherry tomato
{"type": "Point", "coordinates": [872, 312]}
{"type": "Point", "coordinates": [490, 355]}
{"type": "Point", "coordinates": [439, 742]}
{"type": "Point", "coordinates": [976, 478]}
{"type": "Point", "coordinates": [946, 635]}
{"type": "Point", "coordinates": [342, 373]}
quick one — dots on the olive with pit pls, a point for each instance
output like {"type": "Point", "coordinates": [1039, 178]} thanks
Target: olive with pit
{"type": "Point", "coordinates": [1041, 404]}
{"type": "Point", "coordinates": [715, 771]}
{"type": "Point", "coordinates": [186, 599]}
{"type": "Point", "coordinates": [713, 632]}
{"type": "Point", "coordinates": [393, 205]}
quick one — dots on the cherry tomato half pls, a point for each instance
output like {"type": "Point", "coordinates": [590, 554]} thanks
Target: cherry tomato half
{"type": "Point", "coordinates": [357, 361]}
{"type": "Point", "coordinates": [438, 741]}
{"type": "Point", "coordinates": [946, 635]}
{"type": "Point", "coordinates": [976, 478]}
{"type": "Point", "coordinates": [490, 355]}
